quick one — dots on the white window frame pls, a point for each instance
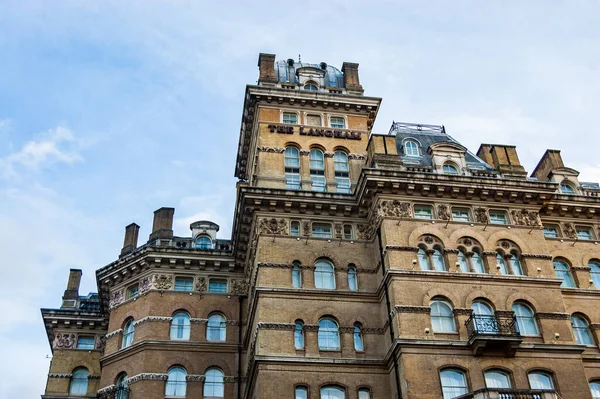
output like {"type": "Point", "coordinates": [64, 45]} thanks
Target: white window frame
{"type": "Point", "coordinates": [461, 210]}
{"type": "Point", "coordinates": [286, 113]}
{"type": "Point", "coordinates": [340, 117]}
{"type": "Point", "coordinates": [218, 280]}
{"type": "Point", "coordinates": [495, 212]}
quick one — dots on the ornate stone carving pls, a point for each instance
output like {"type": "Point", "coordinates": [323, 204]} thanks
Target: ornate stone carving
{"type": "Point", "coordinates": [147, 377]}
{"type": "Point", "coordinates": [198, 321]}
{"type": "Point", "coordinates": [100, 343]}
{"type": "Point", "coordinates": [145, 284]}
{"type": "Point", "coordinates": [201, 284]}
{"type": "Point", "coordinates": [311, 327]}
{"type": "Point", "coordinates": [153, 318]}
{"type": "Point", "coordinates": [306, 228]}
{"type": "Point", "coordinates": [373, 330]}
{"type": "Point", "coordinates": [277, 326]}
{"type": "Point", "coordinates": [463, 311]}
{"type": "Point", "coordinates": [553, 316]}
{"type": "Point", "coordinates": [113, 333]}
{"type": "Point", "coordinates": [526, 217]}
{"type": "Point", "coordinates": [346, 330]}
{"type": "Point", "coordinates": [583, 268]}
{"type": "Point", "coordinates": [481, 215]}
{"type": "Point", "coordinates": [268, 264]}
{"type": "Point", "coordinates": [116, 298]}
{"type": "Point", "coordinates": [357, 156]}
{"type": "Point", "coordinates": [401, 248]}
{"type": "Point", "coordinates": [443, 211]}
{"type": "Point", "coordinates": [569, 230]}
{"type": "Point", "coordinates": [394, 208]}
{"type": "Point", "coordinates": [64, 341]}
{"type": "Point", "coordinates": [365, 231]}
{"type": "Point", "coordinates": [304, 152]}
{"type": "Point", "coordinates": [412, 309]}
{"type": "Point", "coordinates": [329, 154]}
{"type": "Point", "coordinates": [59, 375]}
{"type": "Point", "coordinates": [273, 226]}
{"type": "Point", "coordinates": [279, 150]}
{"type": "Point", "coordinates": [338, 230]}
{"type": "Point", "coordinates": [194, 378]}
{"type": "Point", "coordinates": [163, 281]}
{"type": "Point", "coordinates": [239, 287]}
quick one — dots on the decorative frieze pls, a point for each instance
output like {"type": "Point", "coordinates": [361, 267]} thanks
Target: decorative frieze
{"type": "Point", "coordinates": [153, 318]}
{"type": "Point", "coordinates": [411, 309]}
{"type": "Point", "coordinates": [277, 326]}
{"type": "Point", "coordinates": [394, 208]}
{"type": "Point", "coordinates": [163, 281]}
{"type": "Point", "coordinates": [401, 248]}
{"type": "Point", "coordinates": [358, 157]}
{"type": "Point", "coordinates": [569, 230]}
{"type": "Point", "coordinates": [526, 217]}
{"type": "Point", "coordinates": [113, 333]}
{"type": "Point", "coordinates": [147, 377]}
{"type": "Point", "coordinates": [201, 284]}
{"type": "Point", "coordinates": [116, 298]}
{"type": "Point", "coordinates": [462, 312]}
{"type": "Point", "coordinates": [194, 378]}
{"type": "Point", "coordinates": [145, 284]}
{"type": "Point", "coordinates": [239, 287]}
{"type": "Point", "coordinates": [481, 215]}
{"type": "Point", "coordinates": [198, 321]}
{"type": "Point", "coordinates": [64, 341]}
{"type": "Point", "coordinates": [278, 150]}
{"type": "Point", "coordinates": [552, 316]}
{"type": "Point", "coordinates": [365, 231]}
{"type": "Point", "coordinates": [273, 226]}
{"type": "Point", "coordinates": [537, 256]}
{"type": "Point", "coordinates": [59, 375]}
{"type": "Point", "coordinates": [443, 212]}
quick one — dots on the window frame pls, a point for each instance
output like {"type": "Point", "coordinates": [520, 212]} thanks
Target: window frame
{"type": "Point", "coordinates": [183, 328]}
{"type": "Point", "coordinates": [293, 178]}
{"type": "Point", "coordinates": [453, 370]}
{"type": "Point", "coordinates": [567, 283]}
{"type": "Point", "coordinates": [176, 383]}
{"type": "Point", "coordinates": [303, 388]}
{"type": "Point", "coordinates": [338, 117]}
{"type": "Point", "coordinates": [546, 230]}
{"type": "Point", "coordinates": [352, 278]}
{"type": "Point", "coordinates": [185, 287]}
{"type": "Point", "coordinates": [299, 339]}
{"type": "Point", "coordinates": [500, 371]}
{"type": "Point", "coordinates": [296, 275]}
{"type": "Point", "coordinates": [594, 266]}
{"type": "Point", "coordinates": [331, 335]}
{"type": "Point", "coordinates": [588, 237]}
{"type": "Point", "coordinates": [310, 84]}
{"type": "Point", "coordinates": [218, 280]}
{"type": "Point", "coordinates": [341, 170]}
{"type": "Point", "coordinates": [127, 341]}
{"type": "Point", "coordinates": [414, 148]}
{"type": "Point", "coordinates": [546, 373]}
{"type": "Point", "coordinates": [203, 246]}
{"type": "Point", "coordinates": [570, 190]}
{"type": "Point", "coordinates": [221, 329]}
{"type": "Point", "coordinates": [365, 390]}
{"type": "Point", "coordinates": [461, 210]}
{"type": "Point", "coordinates": [323, 233]}
{"type": "Point", "coordinates": [79, 386]}
{"type": "Point", "coordinates": [449, 164]}
{"type": "Point", "coordinates": [358, 337]}
{"type": "Point", "coordinates": [418, 215]}
{"type": "Point", "coordinates": [317, 170]}
{"type": "Point", "coordinates": [596, 389]}
{"type": "Point", "coordinates": [331, 387]}
{"type": "Point", "coordinates": [437, 319]}
{"type": "Point", "coordinates": [523, 319]}
{"type": "Point", "coordinates": [285, 114]}
{"type": "Point", "coordinates": [585, 327]}
{"type": "Point", "coordinates": [321, 278]}
{"type": "Point", "coordinates": [216, 384]}
{"type": "Point", "coordinates": [133, 290]}
{"type": "Point", "coordinates": [293, 231]}
{"type": "Point", "coordinates": [89, 337]}
{"type": "Point", "coordinates": [497, 212]}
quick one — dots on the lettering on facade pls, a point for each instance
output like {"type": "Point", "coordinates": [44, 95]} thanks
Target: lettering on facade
{"type": "Point", "coordinates": [317, 132]}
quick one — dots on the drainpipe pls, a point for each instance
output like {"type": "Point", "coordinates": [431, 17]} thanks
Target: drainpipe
{"type": "Point", "coordinates": [389, 312]}
{"type": "Point", "coordinates": [239, 372]}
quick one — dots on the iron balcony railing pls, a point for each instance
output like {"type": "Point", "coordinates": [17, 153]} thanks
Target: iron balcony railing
{"type": "Point", "coordinates": [114, 393]}
{"type": "Point", "coordinates": [498, 324]}
{"type": "Point", "coordinates": [497, 393]}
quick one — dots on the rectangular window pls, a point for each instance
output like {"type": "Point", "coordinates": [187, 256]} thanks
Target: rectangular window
{"type": "Point", "coordinates": [290, 118]}
{"type": "Point", "coordinates": [348, 233]}
{"type": "Point", "coordinates": [217, 285]}
{"type": "Point", "coordinates": [292, 181]}
{"type": "Point", "coordinates": [318, 183]}
{"type": "Point", "coordinates": [86, 342]}
{"type": "Point", "coordinates": [498, 217]}
{"type": "Point", "coordinates": [184, 283]}
{"type": "Point", "coordinates": [584, 233]}
{"type": "Point", "coordinates": [313, 120]}
{"type": "Point", "coordinates": [550, 231]}
{"type": "Point", "coordinates": [343, 185]}
{"type": "Point", "coordinates": [337, 122]}
{"type": "Point", "coordinates": [423, 212]}
{"type": "Point", "coordinates": [321, 230]}
{"type": "Point", "coordinates": [132, 291]}
{"type": "Point", "coordinates": [295, 228]}
{"type": "Point", "coordinates": [461, 215]}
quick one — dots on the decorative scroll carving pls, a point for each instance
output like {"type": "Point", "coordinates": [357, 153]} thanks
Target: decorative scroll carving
{"type": "Point", "coordinates": [201, 284]}
{"type": "Point", "coordinates": [365, 232]}
{"type": "Point", "coordinates": [273, 226]}
{"type": "Point", "coordinates": [194, 378]}
{"type": "Point", "coordinates": [526, 217]}
{"type": "Point", "coordinates": [306, 228]}
{"type": "Point", "coordinates": [239, 287]}
{"type": "Point", "coordinates": [163, 281]}
{"type": "Point", "coordinates": [277, 326]}
{"type": "Point", "coordinates": [279, 150]}
{"type": "Point", "coordinates": [153, 318]}
{"type": "Point", "coordinates": [481, 215]}
{"type": "Point", "coordinates": [147, 377]}
{"type": "Point", "coordinates": [64, 341]}
{"type": "Point", "coordinates": [412, 309]}
{"type": "Point", "coordinates": [553, 316]}
{"type": "Point", "coordinates": [268, 264]}
{"type": "Point", "coordinates": [569, 230]}
{"type": "Point", "coordinates": [401, 248]}
{"type": "Point", "coordinates": [145, 284]}
{"type": "Point", "coordinates": [116, 298]}
{"type": "Point", "coordinates": [113, 333]}
{"type": "Point", "coordinates": [537, 256]}
{"type": "Point", "coordinates": [359, 157]}
{"type": "Point", "coordinates": [394, 208]}
{"type": "Point", "coordinates": [443, 211]}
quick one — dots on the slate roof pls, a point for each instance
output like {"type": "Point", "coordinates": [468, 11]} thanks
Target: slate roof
{"type": "Point", "coordinates": [287, 73]}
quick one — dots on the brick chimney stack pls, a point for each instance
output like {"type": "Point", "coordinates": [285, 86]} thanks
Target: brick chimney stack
{"type": "Point", "coordinates": [266, 67]}
{"type": "Point", "coordinates": [71, 294]}
{"type": "Point", "coordinates": [163, 223]}
{"type": "Point", "coordinates": [131, 239]}
{"type": "Point", "coordinates": [351, 81]}
{"type": "Point", "coordinates": [503, 158]}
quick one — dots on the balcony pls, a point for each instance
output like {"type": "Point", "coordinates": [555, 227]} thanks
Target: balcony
{"type": "Point", "coordinates": [496, 393]}
{"type": "Point", "coordinates": [497, 333]}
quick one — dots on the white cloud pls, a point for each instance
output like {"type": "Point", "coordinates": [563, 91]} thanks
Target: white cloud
{"type": "Point", "coordinates": [58, 145]}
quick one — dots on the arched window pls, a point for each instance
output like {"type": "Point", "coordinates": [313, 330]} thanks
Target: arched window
{"type": "Point", "coordinates": [301, 392]}
{"type": "Point", "coordinates": [563, 272]}
{"type": "Point", "coordinates": [180, 326]}
{"type": "Point", "coordinates": [449, 169]}
{"type": "Point", "coordinates": [342, 172]}
{"type": "Point", "coordinates": [442, 317]}
{"type": "Point", "coordinates": [296, 275]}
{"type": "Point", "coordinates": [317, 170]}
{"type": "Point", "coordinates": [438, 260]}
{"type": "Point", "coordinates": [364, 393]}
{"type": "Point", "coordinates": [595, 389]}
{"type": "Point", "coordinates": [454, 383]}
{"type": "Point", "coordinates": [515, 265]}
{"type": "Point", "coordinates": [477, 262]}
{"type": "Point", "coordinates": [214, 386]}
{"type": "Point", "coordinates": [423, 259]}
{"type": "Point", "coordinates": [484, 320]}
{"type": "Point", "coordinates": [79, 381]}
{"type": "Point", "coordinates": [332, 393]}
{"type": "Point", "coordinates": [324, 275]}
{"type": "Point", "coordinates": [352, 281]}
{"type": "Point", "coordinates": [496, 379]}
{"type": "Point", "coordinates": [462, 261]}
{"type": "Point", "coordinates": [203, 242]}
{"type": "Point", "coordinates": [501, 263]}
{"type": "Point", "coordinates": [292, 168]}
{"type": "Point", "coordinates": [581, 329]}
{"type": "Point", "coordinates": [128, 332]}
{"type": "Point", "coordinates": [469, 255]}
{"type": "Point", "coordinates": [411, 148]}
{"type": "Point", "coordinates": [121, 388]}
{"type": "Point", "coordinates": [359, 344]}
{"type": "Point", "coordinates": [311, 86]}
{"type": "Point", "coordinates": [216, 327]}
{"type": "Point", "coordinates": [176, 382]}
{"type": "Point", "coordinates": [525, 319]}
{"type": "Point", "coordinates": [540, 380]}
{"type": "Point", "coordinates": [567, 189]}
{"type": "Point", "coordinates": [299, 335]}
{"type": "Point", "coordinates": [328, 335]}
{"type": "Point", "coordinates": [595, 273]}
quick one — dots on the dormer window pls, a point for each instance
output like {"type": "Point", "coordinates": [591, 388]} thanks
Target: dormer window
{"type": "Point", "coordinates": [449, 169]}
{"type": "Point", "coordinates": [311, 86]}
{"type": "Point", "coordinates": [411, 149]}
{"type": "Point", "coordinates": [203, 242]}
{"type": "Point", "coordinates": [567, 189]}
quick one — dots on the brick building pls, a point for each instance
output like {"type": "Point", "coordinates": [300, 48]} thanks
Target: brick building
{"type": "Point", "coordinates": [361, 266]}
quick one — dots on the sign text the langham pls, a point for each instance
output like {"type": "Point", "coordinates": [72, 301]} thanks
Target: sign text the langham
{"type": "Point", "coordinates": [318, 132]}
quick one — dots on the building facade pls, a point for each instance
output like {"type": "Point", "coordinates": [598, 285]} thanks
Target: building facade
{"type": "Point", "coordinates": [361, 266]}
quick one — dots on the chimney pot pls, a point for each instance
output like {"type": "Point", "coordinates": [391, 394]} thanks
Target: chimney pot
{"type": "Point", "coordinates": [266, 68]}
{"type": "Point", "coordinates": [131, 239]}
{"type": "Point", "coordinates": [163, 223]}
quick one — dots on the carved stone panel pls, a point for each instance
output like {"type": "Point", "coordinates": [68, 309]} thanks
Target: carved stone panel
{"type": "Point", "coordinates": [526, 217]}
{"type": "Point", "coordinates": [64, 341]}
{"type": "Point", "coordinates": [569, 230]}
{"type": "Point", "coordinates": [163, 281]}
{"type": "Point", "coordinates": [273, 226]}
{"type": "Point", "coordinates": [145, 284]}
{"type": "Point", "coordinates": [239, 287]}
{"type": "Point", "coordinates": [481, 215]}
{"type": "Point", "coordinates": [116, 298]}
{"type": "Point", "coordinates": [394, 208]}
{"type": "Point", "coordinates": [443, 211]}
{"type": "Point", "coordinates": [201, 284]}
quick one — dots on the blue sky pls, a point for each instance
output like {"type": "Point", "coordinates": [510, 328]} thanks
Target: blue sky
{"type": "Point", "coordinates": [110, 110]}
